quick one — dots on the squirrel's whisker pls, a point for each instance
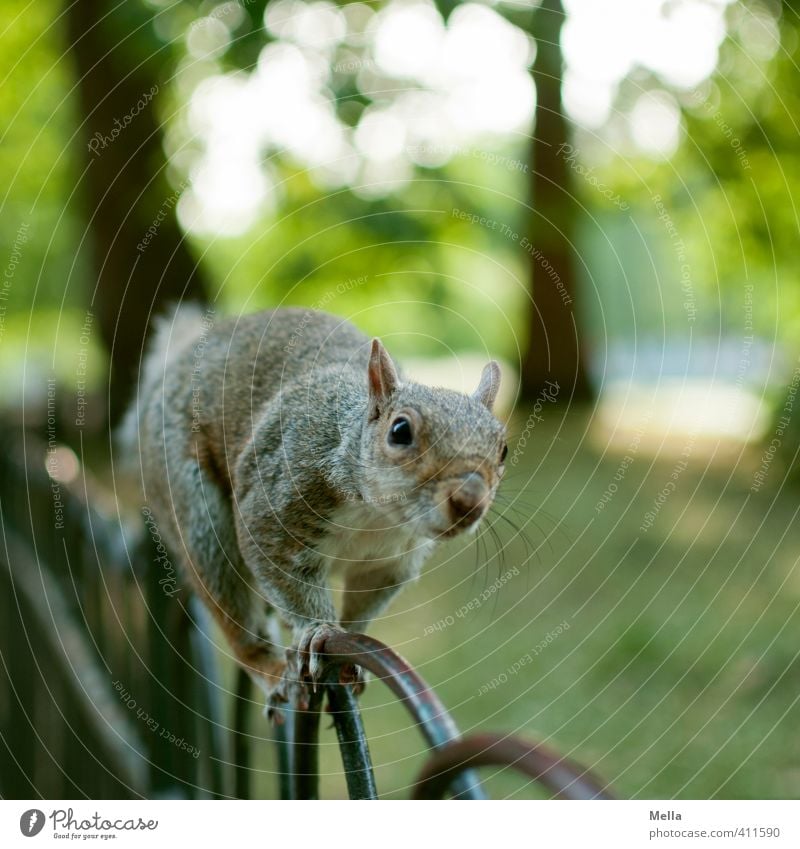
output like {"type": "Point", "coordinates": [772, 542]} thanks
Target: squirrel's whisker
{"type": "Point", "coordinates": [527, 518]}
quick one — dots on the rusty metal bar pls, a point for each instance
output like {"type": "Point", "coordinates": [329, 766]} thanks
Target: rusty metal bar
{"type": "Point", "coordinates": [563, 778]}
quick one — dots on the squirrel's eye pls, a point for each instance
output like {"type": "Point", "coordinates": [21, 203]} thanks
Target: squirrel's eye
{"type": "Point", "coordinates": [504, 454]}
{"type": "Point", "coordinates": [400, 432]}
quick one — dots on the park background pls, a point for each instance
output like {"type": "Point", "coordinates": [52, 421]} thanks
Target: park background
{"type": "Point", "coordinates": [600, 195]}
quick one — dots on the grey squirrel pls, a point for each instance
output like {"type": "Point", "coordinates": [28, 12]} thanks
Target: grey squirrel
{"type": "Point", "coordinates": [278, 446]}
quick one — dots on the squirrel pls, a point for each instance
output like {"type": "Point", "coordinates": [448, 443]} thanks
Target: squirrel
{"type": "Point", "coordinates": [278, 446]}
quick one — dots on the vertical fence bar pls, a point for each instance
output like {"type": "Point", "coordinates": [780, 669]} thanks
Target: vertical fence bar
{"type": "Point", "coordinates": [283, 743]}
{"type": "Point", "coordinates": [353, 744]}
{"type": "Point", "coordinates": [305, 748]}
{"type": "Point", "coordinates": [241, 749]}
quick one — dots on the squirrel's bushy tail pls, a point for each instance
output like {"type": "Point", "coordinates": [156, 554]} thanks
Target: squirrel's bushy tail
{"type": "Point", "coordinates": [175, 330]}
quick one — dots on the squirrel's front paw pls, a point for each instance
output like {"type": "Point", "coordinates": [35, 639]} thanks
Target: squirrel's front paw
{"type": "Point", "coordinates": [311, 647]}
{"type": "Point", "coordinates": [304, 666]}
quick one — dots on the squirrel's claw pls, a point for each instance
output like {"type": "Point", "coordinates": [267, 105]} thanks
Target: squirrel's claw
{"type": "Point", "coordinates": [275, 703]}
{"type": "Point", "coordinates": [274, 714]}
{"type": "Point", "coordinates": [304, 667]}
{"type": "Point", "coordinates": [311, 648]}
{"type": "Point", "coordinates": [354, 675]}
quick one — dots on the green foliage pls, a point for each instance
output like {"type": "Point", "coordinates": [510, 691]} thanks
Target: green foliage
{"type": "Point", "coordinates": [453, 284]}
{"type": "Point", "coordinates": [37, 126]}
{"type": "Point", "coordinates": [730, 192]}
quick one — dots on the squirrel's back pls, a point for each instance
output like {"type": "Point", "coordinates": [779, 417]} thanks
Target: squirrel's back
{"type": "Point", "coordinates": [173, 333]}
{"type": "Point", "coordinates": [247, 361]}
{"type": "Point", "coordinates": [218, 374]}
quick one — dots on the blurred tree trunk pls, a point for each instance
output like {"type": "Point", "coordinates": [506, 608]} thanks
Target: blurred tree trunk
{"type": "Point", "coordinates": [140, 258]}
{"type": "Point", "coordinates": [554, 350]}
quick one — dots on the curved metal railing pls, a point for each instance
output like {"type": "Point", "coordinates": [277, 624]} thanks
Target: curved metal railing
{"type": "Point", "coordinates": [454, 759]}
{"type": "Point", "coordinates": [563, 778]}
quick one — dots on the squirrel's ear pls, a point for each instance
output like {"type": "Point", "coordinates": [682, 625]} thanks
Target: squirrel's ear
{"type": "Point", "coordinates": [490, 383]}
{"type": "Point", "coordinates": [383, 379]}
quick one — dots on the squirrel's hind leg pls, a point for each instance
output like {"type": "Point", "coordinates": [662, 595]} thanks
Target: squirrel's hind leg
{"type": "Point", "coordinates": [248, 623]}
{"type": "Point", "coordinates": [214, 565]}
{"type": "Point", "coordinates": [256, 648]}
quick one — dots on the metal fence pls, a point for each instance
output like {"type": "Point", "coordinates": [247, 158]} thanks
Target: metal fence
{"type": "Point", "coordinates": [104, 677]}
{"type": "Point", "coordinates": [110, 686]}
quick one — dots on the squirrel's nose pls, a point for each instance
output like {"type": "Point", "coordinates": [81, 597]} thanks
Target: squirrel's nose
{"type": "Point", "coordinates": [468, 498]}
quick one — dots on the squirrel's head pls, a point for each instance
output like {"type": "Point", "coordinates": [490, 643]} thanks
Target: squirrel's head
{"type": "Point", "coordinates": [433, 457]}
